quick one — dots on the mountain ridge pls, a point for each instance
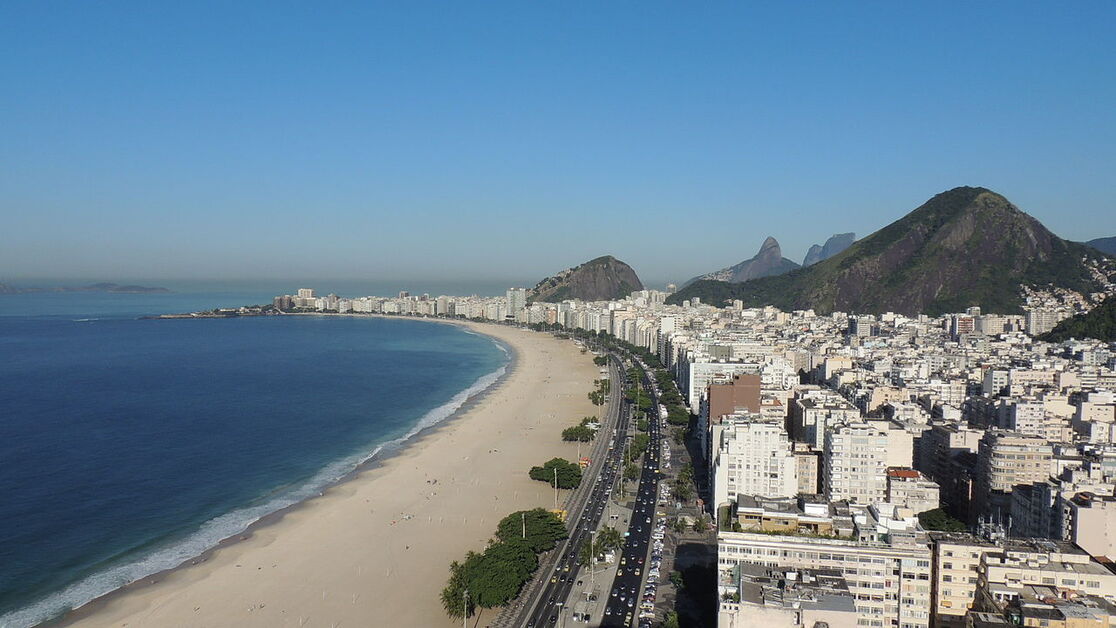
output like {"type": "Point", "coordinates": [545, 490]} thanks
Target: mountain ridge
{"type": "Point", "coordinates": [765, 263]}
{"type": "Point", "coordinates": [1104, 245]}
{"type": "Point", "coordinates": [836, 243]}
{"type": "Point", "coordinates": [963, 247]}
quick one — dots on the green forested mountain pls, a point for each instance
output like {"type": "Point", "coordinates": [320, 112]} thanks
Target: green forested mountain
{"type": "Point", "coordinates": [1104, 245]}
{"type": "Point", "coordinates": [964, 247]}
{"type": "Point", "coordinates": [1099, 323]}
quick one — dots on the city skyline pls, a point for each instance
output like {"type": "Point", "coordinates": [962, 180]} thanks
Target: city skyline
{"type": "Point", "coordinates": [444, 141]}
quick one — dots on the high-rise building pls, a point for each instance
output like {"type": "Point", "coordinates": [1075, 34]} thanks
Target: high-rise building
{"type": "Point", "coordinates": [517, 300]}
{"type": "Point", "coordinates": [813, 412]}
{"type": "Point", "coordinates": [855, 463]}
{"type": "Point", "coordinates": [1041, 321]}
{"type": "Point", "coordinates": [957, 559]}
{"type": "Point", "coordinates": [752, 457]}
{"type": "Point", "coordinates": [1007, 459]}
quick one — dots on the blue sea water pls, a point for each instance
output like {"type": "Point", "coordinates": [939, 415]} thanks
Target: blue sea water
{"type": "Point", "coordinates": [128, 446]}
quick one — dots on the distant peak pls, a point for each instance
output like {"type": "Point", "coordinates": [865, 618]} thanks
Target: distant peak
{"type": "Point", "coordinates": [769, 243]}
{"type": "Point", "coordinates": [604, 259]}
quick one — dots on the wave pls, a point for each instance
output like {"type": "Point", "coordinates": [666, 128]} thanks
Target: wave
{"type": "Point", "coordinates": [230, 524]}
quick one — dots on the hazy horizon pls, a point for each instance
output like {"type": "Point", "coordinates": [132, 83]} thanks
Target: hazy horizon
{"type": "Point", "coordinates": [456, 142]}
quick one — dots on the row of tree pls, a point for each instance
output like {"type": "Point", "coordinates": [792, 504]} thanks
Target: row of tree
{"type": "Point", "coordinates": [684, 483]}
{"type": "Point", "coordinates": [597, 396]}
{"type": "Point", "coordinates": [495, 576]}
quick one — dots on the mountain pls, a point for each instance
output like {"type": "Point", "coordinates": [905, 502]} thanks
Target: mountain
{"type": "Point", "coordinates": [769, 261]}
{"type": "Point", "coordinates": [1099, 323]}
{"type": "Point", "coordinates": [1104, 245]}
{"type": "Point", "coordinates": [964, 247]}
{"type": "Point", "coordinates": [835, 244]}
{"type": "Point", "coordinates": [813, 255]}
{"type": "Point", "coordinates": [601, 279]}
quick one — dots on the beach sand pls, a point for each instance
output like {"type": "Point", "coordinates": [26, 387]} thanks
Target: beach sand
{"type": "Point", "coordinates": [375, 549]}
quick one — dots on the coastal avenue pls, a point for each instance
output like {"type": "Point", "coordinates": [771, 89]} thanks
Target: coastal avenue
{"type": "Point", "coordinates": [546, 596]}
{"type": "Point", "coordinates": [626, 592]}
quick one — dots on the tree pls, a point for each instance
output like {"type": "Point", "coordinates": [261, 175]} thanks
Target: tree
{"type": "Point", "coordinates": [938, 519]}
{"type": "Point", "coordinates": [453, 595]}
{"type": "Point", "coordinates": [578, 433]}
{"type": "Point", "coordinates": [609, 539]}
{"type": "Point", "coordinates": [568, 473]}
{"type": "Point", "coordinates": [600, 360]}
{"type": "Point", "coordinates": [640, 443]}
{"type": "Point", "coordinates": [543, 529]}
{"type": "Point", "coordinates": [701, 524]}
{"type": "Point", "coordinates": [495, 576]}
{"type": "Point", "coordinates": [670, 620]}
{"type": "Point", "coordinates": [684, 491]}
{"type": "Point", "coordinates": [631, 471]}
{"type": "Point", "coordinates": [498, 574]}
{"type": "Point", "coordinates": [676, 580]}
{"type": "Point", "coordinates": [677, 416]}
{"type": "Point", "coordinates": [585, 554]}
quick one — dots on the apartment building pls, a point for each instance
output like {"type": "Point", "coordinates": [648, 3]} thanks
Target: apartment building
{"type": "Point", "coordinates": [752, 457]}
{"type": "Point", "coordinates": [890, 580]}
{"type": "Point", "coordinates": [779, 597]}
{"type": "Point", "coordinates": [1007, 459]}
{"type": "Point", "coordinates": [855, 463]}
{"type": "Point", "coordinates": [910, 489]}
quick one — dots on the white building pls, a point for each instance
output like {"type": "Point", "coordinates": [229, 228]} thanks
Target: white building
{"type": "Point", "coordinates": [752, 457]}
{"type": "Point", "coordinates": [855, 463]}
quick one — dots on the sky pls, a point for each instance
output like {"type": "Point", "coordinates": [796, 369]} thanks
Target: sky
{"type": "Point", "coordinates": [463, 140]}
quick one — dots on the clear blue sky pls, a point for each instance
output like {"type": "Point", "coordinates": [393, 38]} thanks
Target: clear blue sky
{"type": "Point", "coordinates": [420, 139]}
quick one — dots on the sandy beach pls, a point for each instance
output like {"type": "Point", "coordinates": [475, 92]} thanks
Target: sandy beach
{"type": "Point", "coordinates": [375, 549]}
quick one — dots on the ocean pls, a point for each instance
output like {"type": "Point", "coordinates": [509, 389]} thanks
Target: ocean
{"type": "Point", "coordinates": [129, 446]}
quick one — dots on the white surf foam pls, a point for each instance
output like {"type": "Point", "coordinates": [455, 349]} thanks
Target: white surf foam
{"type": "Point", "coordinates": [226, 526]}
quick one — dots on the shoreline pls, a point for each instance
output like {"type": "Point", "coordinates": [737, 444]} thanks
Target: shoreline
{"type": "Point", "coordinates": [375, 459]}
{"type": "Point", "coordinates": [92, 612]}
